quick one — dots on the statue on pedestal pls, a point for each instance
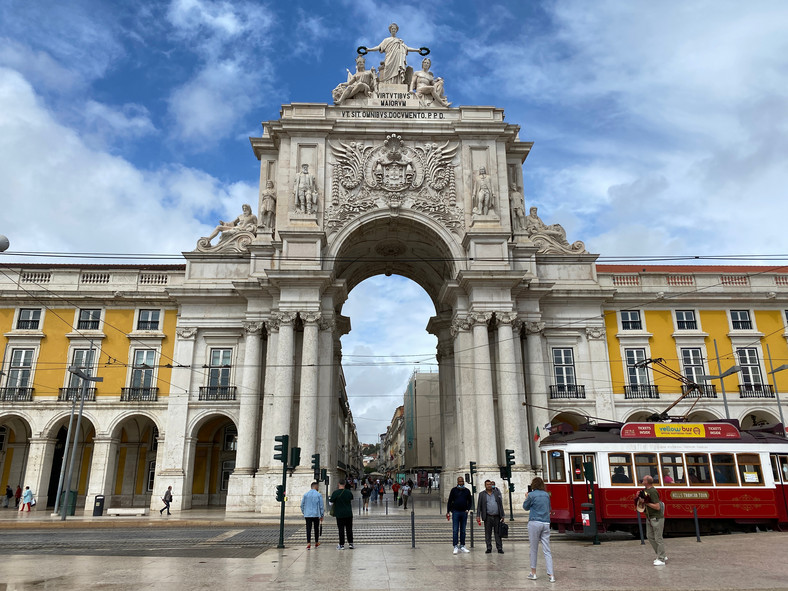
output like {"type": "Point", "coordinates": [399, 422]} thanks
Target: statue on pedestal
{"type": "Point", "coordinates": [236, 235]}
{"type": "Point", "coordinates": [518, 208]}
{"type": "Point", "coordinates": [394, 66]}
{"type": "Point", "coordinates": [363, 81]}
{"type": "Point", "coordinates": [428, 88]}
{"type": "Point", "coordinates": [268, 206]}
{"type": "Point", "coordinates": [305, 190]}
{"type": "Point", "coordinates": [550, 239]}
{"type": "Point", "coordinates": [483, 198]}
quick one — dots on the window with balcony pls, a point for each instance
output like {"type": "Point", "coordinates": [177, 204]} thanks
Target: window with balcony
{"type": "Point", "coordinates": [82, 359]}
{"type": "Point", "coordinates": [740, 320]}
{"type": "Point", "coordinates": [29, 319]}
{"type": "Point", "coordinates": [148, 320]}
{"type": "Point", "coordinates": [143, 377]}
{"type": "Point", "coordinates": [17, 385]}
{"type": "Point", "coordinates": [89, 320]}
{"type": "Point", "coordinates": [685, 320]}
{"type": "Point", "coordinates": [638, 383]}
{"type": "Point", "coordinates": [564, 372]}
{"type": "Point", "coordinates": [752, 384]}
{"type": "Point", "coordinates": [630, 320]}
{"type": "Point", "coordinates": [219, 387]}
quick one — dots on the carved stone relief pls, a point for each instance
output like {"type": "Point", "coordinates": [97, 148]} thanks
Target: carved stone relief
{"type": "Point", "coordinates": [396, 176]}
{"type": "Point", "coordinates": [595, 333]}
{"type": "Point", "coordinates": [550, 239]}
{"type": "Point", "coordinates": [268, 206]}
{"type": "Point", "coordinates": [532, 327]}
{"type": "Point", "coordinates": [253, 328]}
{"type": "Point", "coordinates": [186, 332]}
{"type": "Point", "coordinates": [236, 236]}
{"type": "Point", "coordinates": [460, 324]}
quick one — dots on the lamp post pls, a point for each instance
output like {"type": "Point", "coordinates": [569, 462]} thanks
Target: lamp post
{"type": "Point", "coordinates": [720, 377]}
{"type": "Point", "coordinates": [774, 383]}
{"type": "Point", "coordinates": [83, 394]}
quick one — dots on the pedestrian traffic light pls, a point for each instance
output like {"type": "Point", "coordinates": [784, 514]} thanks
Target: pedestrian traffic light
{"type": "Point", "coordinates": [280, 492]}
{"type": "Point", "coordinates": [295, 457]}
{"type": "Point", "coordinates": [509, 457]}
{"type": "Point", "coordinates": [324, 476]}
{"type": "Point", "coordinates": [316, 465]}
{"type": "Point", "coordinates": [281, 449]}
{"type": "Point", "coordinates": [511, 487]}
{"type": "Point", "coordinates": [588, 468]}
{"type": "Point", "coordinates": [504, 472]}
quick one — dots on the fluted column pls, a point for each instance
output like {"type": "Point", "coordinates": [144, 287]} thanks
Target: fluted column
{"type": "Point", "coordinates": [266, 439]}
{"type": "Point", "coordinates": [482, 379]}
{"type": "Point", "coordinates": [325, 382]}
{"type": "Point", "coordinates": [464, 392]}
{"type": "Point", "coordinates": [307, 409]}
{"type": "Point", "coordinates": [283, 390]}
{"type": "Point", "coordinates": [249, 406]}
{"type": "Point", "coordinates": [536, 385]}
{"type": "Point", "coordinates": [508, 395]}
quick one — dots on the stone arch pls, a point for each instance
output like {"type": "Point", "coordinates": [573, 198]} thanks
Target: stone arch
{"type": "Point", "coordinates": [572, 417]}
{"type": "Point", "coordinates": [755, 417]}
{"type": "Point", "coordinates": [118, 420]}
{"type": "Point", "coordinates": [60, 419]}
{"type": "Point", "coordinates": [639, 416]}
{"type": "Point", "coordinates": [703, 416]}
{"type": "Point", "coordinates": [15, 448]}
{"type": "Point", "coordinates": [211, 457]}
{"type": "Point", "coordinates": [131, 465]}
{"type": "Point", "coordinates": [56, 431]}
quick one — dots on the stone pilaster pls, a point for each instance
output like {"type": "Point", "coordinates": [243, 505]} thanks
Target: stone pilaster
{"type": "Point", "coordinates": [102, 470]}
{"type": "Point", "coordinates": [536, 385]}
{"type": "Point", "coordinates": [463, 393]}
{"type": "Point", "coordinates": [307, 409]}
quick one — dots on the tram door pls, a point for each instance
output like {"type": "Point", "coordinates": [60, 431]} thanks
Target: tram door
{"type": "Point", "coordinates": [579, 490]}
{"type": "Point", "coordinates": [780, 472]}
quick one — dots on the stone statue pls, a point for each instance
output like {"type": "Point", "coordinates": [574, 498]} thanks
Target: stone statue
{"type": "Point", "coordinates": [305, 190]}
{"type": "Point", "coordinates": [363, 81]}
{"type": "Point", "coordinates": [518, 208]}
{"type": "Point", "coordinates": [392, 69]}
{"type": "Point", "coordinates": [550, 239]}
{"type": "Point", "coordinates": [241, 230]}
{"type": "Point", "coordinates": [428, 88]}
{"type": "Point", "coordinates": [483, 198]}
{"type": "Point", "coordinates": [268, 206]}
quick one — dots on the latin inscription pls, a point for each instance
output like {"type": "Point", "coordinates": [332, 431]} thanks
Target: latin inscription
{"type": "Point", "coordinates": [374, 114]}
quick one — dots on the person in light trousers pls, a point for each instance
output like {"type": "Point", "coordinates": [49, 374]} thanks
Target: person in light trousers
{"type": "Point", "coordinates": [538, 503]}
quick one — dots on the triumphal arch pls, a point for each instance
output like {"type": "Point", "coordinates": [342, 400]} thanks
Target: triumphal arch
{"type": "Point", "coordinates": [391, 178]}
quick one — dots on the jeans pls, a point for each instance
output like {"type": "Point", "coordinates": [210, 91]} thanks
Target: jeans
{"type": "Point", "coordinates": [654, 529]}
{"type": "Point", "coordinates": [310, 523]}
{"type": "Point", "coordinates": [345, 524]}
{"type": "Point", "coordinates": [459, 519]}
{"type": "Point", "coordinates": [539, 531]}
{"type": "Point", "coordinates": [491, 524]}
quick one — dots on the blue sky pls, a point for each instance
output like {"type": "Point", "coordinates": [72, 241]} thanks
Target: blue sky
{"type": "Point", "coordinates": [659, 128]}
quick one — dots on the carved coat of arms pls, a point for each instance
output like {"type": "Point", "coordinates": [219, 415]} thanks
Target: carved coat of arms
{"type": "Point", "coordinates": [393, 175]}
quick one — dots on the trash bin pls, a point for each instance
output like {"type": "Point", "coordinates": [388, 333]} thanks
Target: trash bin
{"type": "Point", "coordinates": [71, 505]}
{"type": "Point", "coordinates": [98, 506]}
{"type": "Point", "coordinates": [588, 516]}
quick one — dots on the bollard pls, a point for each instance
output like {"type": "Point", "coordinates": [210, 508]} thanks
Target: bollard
{"type": "Point", "coordinates": [697, 525]}
{"type": "Point", "coordinates": [640, 529]}
{"type": "Point", "coordinates": [412, 529]}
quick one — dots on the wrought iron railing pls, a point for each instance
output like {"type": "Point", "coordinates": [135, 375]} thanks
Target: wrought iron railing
{"type": "Point", "coordinates": [16, 394]}
{"type": "Point", "coordinates": [755, 391]}
{"type": "Point", "coordinates": [71, 393]}
{"type": "Point", "coordinates": [641, 391]}
{"type": "Point", "coordinates": [706, 391]}
{"type": "Point", "coordinates": [567, 391]}
{"type": "Point", "coordinates": [217, 392]}
{"type": "Point", "coordinates": [139, 394]}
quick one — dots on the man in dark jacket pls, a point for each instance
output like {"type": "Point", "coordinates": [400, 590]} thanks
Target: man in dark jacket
{"type": "Point", "coordinates": [489, 509]}
{"type": "Point", "coordinates": [460, 502]}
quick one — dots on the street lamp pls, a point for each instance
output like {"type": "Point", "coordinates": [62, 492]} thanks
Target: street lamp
{"type": "Point", "coordinates": [723, 374]}
{"type": "Point", "coordinates": [774, 383]}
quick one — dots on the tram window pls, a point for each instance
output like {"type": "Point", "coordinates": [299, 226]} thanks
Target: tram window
{"type": "Point", "coordinates": [750, 469]}
{"type": "Point", "coordinates": [784, 468]}
{"type": "Point", "coordinates": [557, 466]}
{"type": "Point", "coordinates": [724, 469]}
{"type": "Point", "coordinates": [775, 469]}
{"type": "Point", "coordinates": [698, 470]}
{"type": "Point", "coordinates": [672, 468]}
{"type": "Point", "coordinates": [646, 465]}
{"type": "Point", "coordinates": [620, 468]}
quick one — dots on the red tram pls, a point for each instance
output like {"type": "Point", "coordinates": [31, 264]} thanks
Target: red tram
{"type": "Point", "coordinates": [733, 477]}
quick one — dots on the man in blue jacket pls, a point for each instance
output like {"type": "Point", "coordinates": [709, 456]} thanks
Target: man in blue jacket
{"type": "Point", "coordinates": [460, 502]}
{"type": "Point", "coordinates": [312, 508]}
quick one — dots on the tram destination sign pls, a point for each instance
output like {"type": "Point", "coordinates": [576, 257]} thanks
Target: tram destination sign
{"type": "Point", "coordinates": [680, 430]}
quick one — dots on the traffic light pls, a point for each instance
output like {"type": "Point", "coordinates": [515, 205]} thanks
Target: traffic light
{"type": "Point", "coordinates": [509, 457]}
{"type": "Point", "coordinates": [504, 472]}
{"type": "Point", "coordinates": [281, 449]}
{"type": "Point", "coordinates": [280, 492]}
{"type": "Point", "coordinates": [324, 476]}
{"type": "Point", "coordinates": [588, 468]}
{"type": "Point", "coordinates": [295, 457]}
{"type": "Point", "coordinates": [316, 465]}
{"type": "Point", "coordinates": [511, 487]}
{"type": "Point", "coordinates": [473, 471]}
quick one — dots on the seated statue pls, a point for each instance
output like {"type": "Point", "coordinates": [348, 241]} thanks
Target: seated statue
{"type": "Point", "coordinates": [363, 81]}
{"type": "Point", "coordinates": [534, 225]}
{"type": "Point", "coordinates": [246, 222]}
{"type": "Point", "coordinates": [427, 87]}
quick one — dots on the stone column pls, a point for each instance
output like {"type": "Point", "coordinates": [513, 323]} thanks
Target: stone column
{"type": "Point", "coordinates": [267, 422]}
{"type": "Point", "coordinates": [39, 467]}
{"type": "Point", "coordinates": [512, 424]}
{"type": "Point", "coordinates": [102, 471]}
{"type": "Point", "coordinates": [536, 386]}
{"type": "Point", "coordinates": [325, 390]}
{"type": "Point", "coordinates": [482, 379]}
{"type": "Point", "coordinates": [307, 413]}
{"type": "Point", "coordinates": [249, 399]}
{"type": "Point", "coordinates": [464, 394]}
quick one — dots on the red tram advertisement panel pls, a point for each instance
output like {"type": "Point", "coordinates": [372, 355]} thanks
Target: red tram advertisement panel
{"type": "Point", "coordinates": [733, 478]}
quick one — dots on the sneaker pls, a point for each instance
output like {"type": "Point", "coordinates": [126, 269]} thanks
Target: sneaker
{"type": "Point", "coordinates": [309, 546]}
{"type": "Point", "coordinates": [532, 576]}
{"type": "Point", "coordinates": [658, 562]}
{"type": "Point", "coordinates": [552, 579]}
{"type": "Point", "coordinates": [340, 547]}
{"type": "Point", "coordinates": [464, 549]}
{"type": "Point", "coordinates": [351, 546]}
{"type": "Point", "coordinates": [456, 549]}
{"type": "Point", "coordinates": [317, 544]}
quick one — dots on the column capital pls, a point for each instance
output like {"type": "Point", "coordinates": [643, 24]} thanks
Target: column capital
{"type": "Point", "coordinates": [460, 324]}
{"type": "Point", "coordinates": [444, 351]}
{"type": "Point", "coordinates": [534, 327]}
{"type": "Point", "coordinates": [480, 318]}
{"type": "Point", "coordinates": [506, 318]}
{"type": "Point", "coordinates": [254, 328]}
{"type": "Point", "coordinates": [326, 323]}
{"type": "Point", "coordinates": [186, 333]}
{"type": "Point", "coordinates": [283, 318]}
{"type": "Point", "coordinates": [310, 317]}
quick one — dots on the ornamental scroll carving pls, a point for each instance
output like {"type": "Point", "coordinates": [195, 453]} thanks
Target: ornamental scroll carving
{"type": "Point", "coordinates": [460, 324]}
{"type": "Point", "coordinates": [253, 328]}
{"type": "Point", "coordinates": [284, 318]}
{"type": "Point", "coordinates": [186, 332]}
{"type": "Point", "coordinates": [396, 176]}
{"type": "Point", "coordinates": [595, 333]}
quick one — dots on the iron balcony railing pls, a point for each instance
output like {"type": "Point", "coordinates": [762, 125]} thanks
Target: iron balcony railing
{"type": "Point", "coordinates": [755, 391]}
{"type": "Point", "coordinates": [641, 391]}
{"type": "Point", "coordinates": [16, 394]}
{"type": "Point", "coordinates": [567, 391]}
{"type": "Point", "coordinates": [217, 392]}
{"type": "Point", "coordinates": [139, 394]}
{"type": "Point", "coordinates": [706, 391]}
{"type": "Point", "coordinates": [71, 393]}
{"type": "Point", "coordinates": [27, 325]}
{"type": "Point", "coordinates": [148, 325]}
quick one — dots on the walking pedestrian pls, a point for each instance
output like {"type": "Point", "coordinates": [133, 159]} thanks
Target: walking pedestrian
{"type": "Point", "coordinates": [365, 492]}
{"type": "Point", "coordinates": [27, 499]}
{"type": "Point", "coordinates": [167, 498]}
{"type": "Point", "coordinates": [459, 503]}
{"type": "Point", "coordinates": [375, 486]}
{"type": "Point", "coordinates": [18, 494]}
{"type": "Point", "coordinates": [9, 494]}
{"type": "Point", "coordinates": [490, 510]}
{"type": "Point", "coordinates": [342, 501]}
{"type": "Point", "coordinates": [538, 502]}
{"type": "Point", "coordinates": [429, 485]}
{"type": "Point", "coordinates": [312, 509]}
{"type": "Point", "coordinates": [655, 519]}
{"type": "Point", "coordinates": [405, 492]}
{"type": "Point", "coordinates": [395, 490]}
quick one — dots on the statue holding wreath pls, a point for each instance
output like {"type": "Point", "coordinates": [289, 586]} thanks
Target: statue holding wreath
{"type": "Point", "coordinates": [394, 68]}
